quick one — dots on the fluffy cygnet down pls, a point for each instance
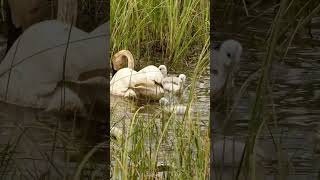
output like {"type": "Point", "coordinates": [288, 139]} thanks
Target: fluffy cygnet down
{"type": "Point", "coordinates": [177, 109]}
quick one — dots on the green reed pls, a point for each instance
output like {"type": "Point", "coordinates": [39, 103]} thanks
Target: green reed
{"type": "Point", "coordinates": [173, 29]}
{"type": "Point", "coordinates": [161, 144]}
{"type": "Point", "coordinates": [291, 16]}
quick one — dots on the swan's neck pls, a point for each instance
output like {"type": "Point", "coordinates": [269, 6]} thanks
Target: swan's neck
{"type": "Point", "coordinates": [130, 62]}
{"type": "Point", "coordinates": [118, 60]}
{"type": "Point", "coordinates": [221, 76]}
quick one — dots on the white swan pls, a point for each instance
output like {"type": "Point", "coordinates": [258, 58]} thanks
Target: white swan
{"type": "Point", "coordinates": [174, 84]}
{"type": "Point", "coordinates": [148, 82]}
{"type": "Point", "coordinates": [224, 62]}
{"type": "Point", "coordinates": [38, 62]}
{"type": "Point", "coordinates": [226, 156]}
{"type": "Point", "coordinates": [154, 73]}
{"type": "Point", "coordinates": [120, 58]}
{"type": "Point", "coordinates": [116, 133]}
{"type": "Point", "coordinates": [127, 82]}
{"type": "Point", "coordinates": [122, 80]}
{"type": "Point", "coordinates": [168, 108]}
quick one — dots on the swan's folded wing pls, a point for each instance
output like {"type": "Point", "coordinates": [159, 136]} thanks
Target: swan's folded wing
{"type": "Point", "coordinates": [152, 73]}
{"type": "Point", "coordinates": [153, 92]}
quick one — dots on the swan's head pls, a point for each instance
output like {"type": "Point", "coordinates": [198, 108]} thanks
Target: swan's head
{"type": "Point", "coordinates": [163, 70]}
{"type": "Point", "coordinates": [231, 49]}
{"type": "Point", "coordinates": [122, 59]}
{"type": "Point", "coordinates": [163, 101]}
{"type": "Point", "coordinates": [225, 62]}
{"type": "Point", "coordinates": [183, 78]}
{"type": "Point", "coordinates": [116, 132]}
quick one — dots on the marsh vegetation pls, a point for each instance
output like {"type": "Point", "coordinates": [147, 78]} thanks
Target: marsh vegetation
{"type": "Point", "coordinates": [274, 110]}
{"type": "Point", "coordinates": [154, 143]}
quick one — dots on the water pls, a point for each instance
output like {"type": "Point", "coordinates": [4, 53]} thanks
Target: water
{"type": "Point", "coordinates": [295, 89]}
{"type": "Point", "coordinates": [122, 112]}
{"type": "Point", "coordinates": [202, 91]}
{"type": "Point", "coordinates": [34, 149]}
{"type": "Point", "coordinates": [125, 108]}
{"type": "Point", "coordinates": [49, 144]}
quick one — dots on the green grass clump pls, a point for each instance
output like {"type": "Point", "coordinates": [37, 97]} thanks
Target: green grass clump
{"type": "Point", "coordinates": [154, 145]}
{"type": "Point", "coordinates": [159, 145]}
{"type": "Point", "coordinates": [173, 30]}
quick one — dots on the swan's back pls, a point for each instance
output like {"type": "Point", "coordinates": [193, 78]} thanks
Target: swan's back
{"type": "Point", "coordinates": [152, 73]}
{"type": "Point", "coordinates": [35, 52]}
{"type": "Point", "coordinates": [122, 76]}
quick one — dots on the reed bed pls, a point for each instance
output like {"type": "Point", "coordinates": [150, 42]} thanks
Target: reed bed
{"type": "Point", "coordinates": [158, 145]}
{"type": "Point", "coordinates": [163, 145]}
{"type": "Point", "coordinates": [175, 30]}
{"type": "Point", "coordinates": [291, 17]}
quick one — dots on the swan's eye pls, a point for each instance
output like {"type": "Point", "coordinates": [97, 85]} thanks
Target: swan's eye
{"type": "Point", "coordinates": [214, 71]}
{"type": "Point", "coordinates": [229, 55]}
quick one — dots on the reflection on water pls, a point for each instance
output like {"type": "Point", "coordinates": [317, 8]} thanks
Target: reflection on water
{"type": "Point", "coordinates": [296, 85]}
{"type": "Point", "coordinates": [35, 144]}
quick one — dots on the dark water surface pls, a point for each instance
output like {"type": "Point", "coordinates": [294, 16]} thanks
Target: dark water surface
{"type": "Point", "coordinates": [36, 144]}
{"type": "Point", "coordinates": [295, 89]}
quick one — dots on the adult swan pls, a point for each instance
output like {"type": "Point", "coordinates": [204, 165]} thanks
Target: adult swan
{"type": "Point", "coordinates": [126, 82]}
{"type": "Point", "coordinates": [32, 71]}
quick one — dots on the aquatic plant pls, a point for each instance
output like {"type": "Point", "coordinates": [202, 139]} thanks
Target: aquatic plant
{"type": "Point", "coordinates": [170, 30]}
{"type": "Point", "coordinates": [289, 19]}
{"type": "Point", "coordinates": [161, 145]}
{"type": "Point", "coordinates": [158, 145]}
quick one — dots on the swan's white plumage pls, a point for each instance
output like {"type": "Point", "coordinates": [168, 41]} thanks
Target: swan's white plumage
{"type": "Point", "coordinates": [72, 102]}
{"type": "Point", "coordinates": [151, 73]}
{"type": "Point", "coordinates": [148, 83]}
{"type": "Point", "coordinates": [169, 108]}
{"type": "Point", "coordinates": [174, 84]}
{"type": "Point", "coordinates": [224, 61]}
{"type": "Point", "coordinates": [36, 73]}
{"type": "Point", "coordinates": [122, 81]}
{"type": "Point", "coordinates": [116, 132]}
{"type": "Point", "coordinates": [145, 83]}
{"type": "Point", "coordinates": [163, 70]}
{"type": "Point", "coordinates": [130, 93]}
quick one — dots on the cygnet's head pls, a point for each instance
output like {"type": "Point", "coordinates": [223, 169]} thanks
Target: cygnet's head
{"type": "Point", "coordinates": [183, 77]}
{"type": "Point", "coordinates": [116, 132]}
{"type": "Point", "coordinates": [163, 70]}
{"type": "Point", "coordinates": [231, 49]}
{"type": "Point", "coordinates": [163, 101]}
